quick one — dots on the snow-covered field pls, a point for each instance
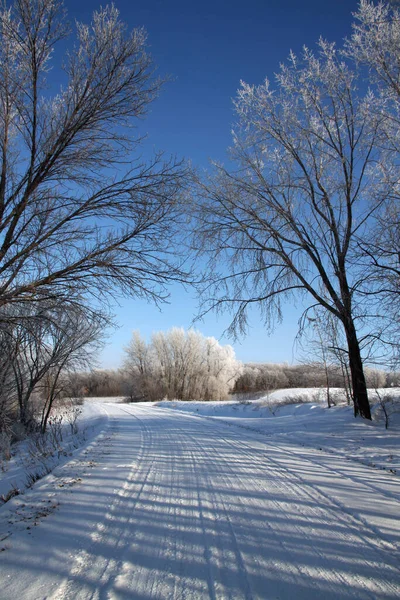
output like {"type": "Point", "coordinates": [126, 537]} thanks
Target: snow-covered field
{"type": "Point", "coordinates": [211, 500]}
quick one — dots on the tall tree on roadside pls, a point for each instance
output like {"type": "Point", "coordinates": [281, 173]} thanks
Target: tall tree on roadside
{"type": "Point", "coordinates": [79, 214]}
{"type": "Point", "coordinates": [375, 45]}
{"type": "Point", "coordinates": [289, 219]}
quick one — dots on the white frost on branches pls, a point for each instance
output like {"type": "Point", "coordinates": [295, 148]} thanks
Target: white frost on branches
{"type": "Point", "coordinates": [180, 364]}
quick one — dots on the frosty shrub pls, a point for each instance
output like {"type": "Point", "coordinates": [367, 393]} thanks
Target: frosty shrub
{"type": "Point", "coordinates": [388, 406]}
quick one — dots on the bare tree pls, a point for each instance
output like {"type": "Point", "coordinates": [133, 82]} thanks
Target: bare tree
{"type": "Point", "coordinates": [138, 368]}
{"type": "Point", "coordinates": [79, 214]}
{"type": "Point", "coordinates": [71, 344]}
{"type": "Point", "coordinates": [41, 346]}
{"type": "Point", "coordinates": [339, 353]}
{"type": "Point", "coordinates": [318, 345]}
{"type": "Point", "coordinates": [289, 220]}
{"type": "Point", "coordinates": [8, 396]}
{"type": "Point", "coordinates": [322, 336]}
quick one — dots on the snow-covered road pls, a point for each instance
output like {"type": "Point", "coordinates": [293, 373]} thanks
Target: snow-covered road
{"type": "Point", "coordinates": [169, 505]}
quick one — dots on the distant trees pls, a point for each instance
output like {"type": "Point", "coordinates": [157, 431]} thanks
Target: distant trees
{"type": "Point", "coordinates": [251, 378]}
{"type": "Point", "coordinates": [264, 377]}
{"type": "Point", "coordinates": [98, 383]}
{"type": "Point", "coordinates": [180, 365]}
{"type": "Point", "coordinates": [261, 378]}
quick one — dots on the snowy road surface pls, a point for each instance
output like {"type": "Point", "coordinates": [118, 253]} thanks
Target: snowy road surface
{"type": "Point", "coordinates": [168, 505]}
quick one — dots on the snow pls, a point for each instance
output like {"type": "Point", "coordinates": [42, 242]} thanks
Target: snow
{"type": "Point", "coordinates": [26, 463]}
{"type": "Point", "coordinates": [216, 500]}
{"type": "Point", "coordinates": [311, 423]}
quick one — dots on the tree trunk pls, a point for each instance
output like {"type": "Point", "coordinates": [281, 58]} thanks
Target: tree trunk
{"type": "Point", "coordinates": [25, 411]}
{"type": "Point", "coordinates": [326, 369]}
{"type": "Point", "coordinates": [347, 382]}
{"type": "Point", "coordinates": [360, 394]}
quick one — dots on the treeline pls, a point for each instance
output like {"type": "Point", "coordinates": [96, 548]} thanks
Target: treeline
{"type": "Point", "coordinates": [261, 377]}
{"type": "Point", "coordinates": [252, 378]}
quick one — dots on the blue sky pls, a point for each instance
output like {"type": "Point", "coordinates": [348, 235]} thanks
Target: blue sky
{"type": "Point", "coordinates": [207, 47]}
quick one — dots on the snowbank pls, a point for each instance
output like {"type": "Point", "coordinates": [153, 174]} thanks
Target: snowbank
{"type": "Point", "coordinates": [26, 465]}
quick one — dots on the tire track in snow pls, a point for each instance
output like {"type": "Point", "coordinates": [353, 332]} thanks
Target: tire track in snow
{"type": "Point", "coordinates": [297, 573]}
{"type": "Point", "coordinates": [199, 510]}
{"type": "Point", "coordinates": [311, 488]}
{"type": "Point", "coordinates": [325, 454]}
{"type": "Point", "coordinates": [317, 517]}
{"type": "Point", "coordinates": [323, 516]}
{"type": "Point", "coordinates": [338, 472]}
{"type": "Point", "coordinates": [168, 577]}
{"type": "Point", "coordinates": [217, 503]}
{"type": "Point", "coordinates": [86, 566]}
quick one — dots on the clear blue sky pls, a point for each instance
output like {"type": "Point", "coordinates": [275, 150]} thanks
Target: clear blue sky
{"type": "Point", "coordinates": [207, 47]}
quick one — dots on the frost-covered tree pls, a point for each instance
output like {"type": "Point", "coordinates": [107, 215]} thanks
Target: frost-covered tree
{"type": "Point", "coordinates": [375, 46]}
{"type": "Point", "coordinates": [375, 43]}
{"type": "Point", "coordinates": [182, 365]}
{"type": "Point", "coordinates": [80, 213]}
{"type": "Point", "coordinates": [138, 369]}
{"type": "Point", "coordinates": [289, 219]}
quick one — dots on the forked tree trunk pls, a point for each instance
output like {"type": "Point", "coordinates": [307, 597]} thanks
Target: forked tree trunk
{"type": "Point", "coordinates": [360, 394]}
